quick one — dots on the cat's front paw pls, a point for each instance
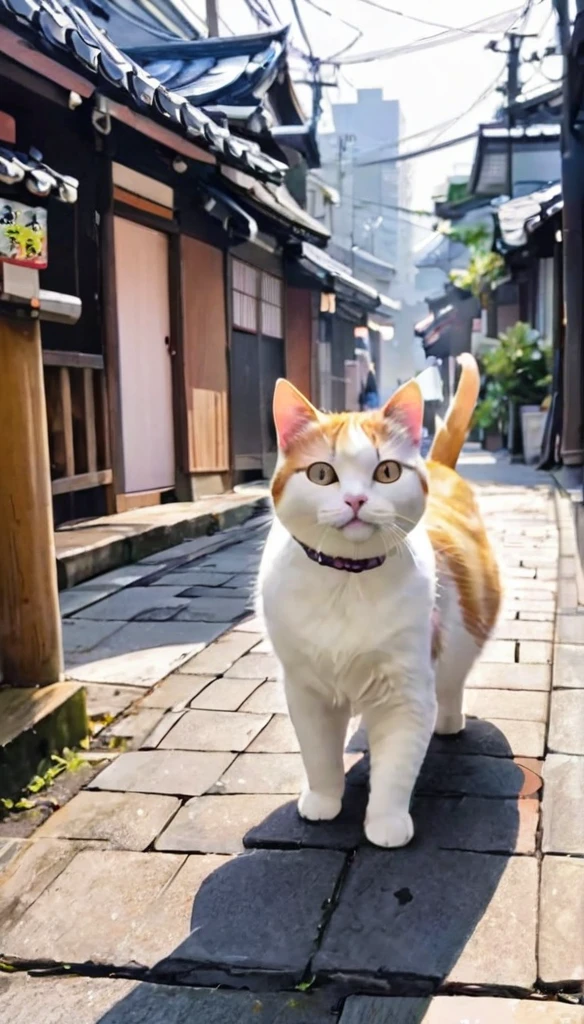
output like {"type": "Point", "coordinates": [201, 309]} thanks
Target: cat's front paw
{"type": "Point", "coordinates": [390, 830]}
{"type": "Point", "coordinates": [318, 807]}
{"type": "Point", "coordinates": [449, 723]}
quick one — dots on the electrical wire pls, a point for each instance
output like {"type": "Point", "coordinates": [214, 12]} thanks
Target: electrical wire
{"type": "Point", "coordinates": [302, 28]}
{"type": "Point", "coordinates": [489, 25]}
{"type": "Point", "coordinates": [361, 201]}
{"type": "Point", "coordinates": [342, 21]}
{"type": "Point", "coordinates": [400, 157]}
{"type": "Point", "coordinates": [480, 99]}
{"type": "Point", "coordinates": [422, 21]}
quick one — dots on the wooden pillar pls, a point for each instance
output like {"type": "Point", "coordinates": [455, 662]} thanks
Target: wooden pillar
{"type": "Point", "coordinates": [30, 625]}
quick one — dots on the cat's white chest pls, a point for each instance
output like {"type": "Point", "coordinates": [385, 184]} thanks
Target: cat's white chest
{"type": "Point", "coordinates": [345, 633]}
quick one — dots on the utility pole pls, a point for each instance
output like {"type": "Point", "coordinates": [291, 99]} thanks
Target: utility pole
{"type": "Point", "coordinates": [212, 17]}
{"type": "Point", "coordinates": [511, 91]}
{"type": "Point", "coordinates": [572, 445]}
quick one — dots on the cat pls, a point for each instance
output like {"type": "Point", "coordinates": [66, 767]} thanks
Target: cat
{"type": "Point", "coordinates": [377, 587]}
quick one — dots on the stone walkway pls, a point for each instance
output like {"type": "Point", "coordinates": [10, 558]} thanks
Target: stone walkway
{"type": "Point", "coordinates": [183, 866]}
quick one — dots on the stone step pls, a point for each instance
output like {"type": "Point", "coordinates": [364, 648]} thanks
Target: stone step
{"type": "Point", "coordinates": [35, 723]}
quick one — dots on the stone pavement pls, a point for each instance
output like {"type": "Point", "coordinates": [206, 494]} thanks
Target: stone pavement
{"type": "Point", "coordinates": [183, 866]}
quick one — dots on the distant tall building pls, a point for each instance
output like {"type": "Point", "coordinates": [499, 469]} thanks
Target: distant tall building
{"type": "Point", "coordinates": [370, 190]}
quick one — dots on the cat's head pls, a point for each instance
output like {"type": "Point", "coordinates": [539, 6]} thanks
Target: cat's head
{"type": "Point", "coordinates": [349, 484]}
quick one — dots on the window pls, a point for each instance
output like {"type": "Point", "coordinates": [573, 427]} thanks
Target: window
{"type": "Point", "coordinates": [255, 290]}
{"type": "Point", "coordinates": [245, 291]}
{"type": "Point", "coordinates": [271, 306]}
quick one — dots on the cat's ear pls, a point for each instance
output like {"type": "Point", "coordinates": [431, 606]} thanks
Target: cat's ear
{"type": "Point", "coordinates": [407, 406]}
{"type": "Point", "coordinates": [292, 412]}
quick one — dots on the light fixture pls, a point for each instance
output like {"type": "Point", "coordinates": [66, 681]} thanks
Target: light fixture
{"type": "Point", "coordinates": [179, 164]}
{"type": "Point", "coordinates": [75, 100]}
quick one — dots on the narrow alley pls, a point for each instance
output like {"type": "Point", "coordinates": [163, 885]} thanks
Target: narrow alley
{"type": "Point", "coordinates": [180, 871]}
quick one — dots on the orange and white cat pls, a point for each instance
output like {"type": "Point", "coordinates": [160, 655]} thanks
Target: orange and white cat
{"type": "Point", "coordinates": [378, 589]}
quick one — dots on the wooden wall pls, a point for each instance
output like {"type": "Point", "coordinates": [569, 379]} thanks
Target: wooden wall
{"type": "Point", "coordinates": [299, 330]}
{"type": "Point", "coordinates": [205, 356]}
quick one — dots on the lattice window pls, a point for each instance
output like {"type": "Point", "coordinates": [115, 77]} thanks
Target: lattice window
{"type": "Point", "coordinates": [271, 304]}
{"type": "Point", "coordinates": [245, 297]}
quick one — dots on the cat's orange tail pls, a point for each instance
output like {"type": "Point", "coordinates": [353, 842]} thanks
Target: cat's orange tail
{"type": "Point", "coordinates": [451, 433]}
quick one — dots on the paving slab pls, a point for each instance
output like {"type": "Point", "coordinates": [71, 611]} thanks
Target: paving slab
{"type": "Point", "coordinates": [175, 692]}
{"type": "Point", "coordinates": [80, 635]}
{"type": "Point", "coordinates": [252, 625]}
{"type": "Point", "coordinates": [566, 732]}
{"type": "Point", "coordinates": [141, 653]}
{"type": "Point", "coordinates": [133, 601]}
{"type": "Point", "coordinates": [164, 726]}
{"type": "Point", "coordinates": [38, 863]}
{"type": "Point", "coordinates": [534, 652]}
{"type": "Point", "coordinates": [500, 738]}
{"type": "Point", "coordinates": [212, 609]}
{"type": "Point", "coordinates": [285, 829]}
{"type": "Point", "coordinates": [261, 912]}
{"type": "Point", "coordinates": [277, 737]}
{"type": "Point", "coordinates": [269, 698]}
{"type": "Point", "coordinates": [470, 775]}
{"type": "Point", "coordinates": [510, 677]}
{"type": "Point", "coordinates": [190, 773]}
{"type": "Point", "coordinates": [127, 821]}
{"type": "Point", "coordinates": [136, 725]}
{"type": "Point", "coordinates": [103, 699]}
{"type": "Point", "coordinates": [561, 930]}
{"type": "Point", "coordinates": [516, 705]}
{"type": "Point", "coordinates": [457, 1010]}
{"type": "Point", "coordinates": [568, 666]}
{"type": "Point", "coordinates": [220, 656]}
{"type": "Point", "coordinates": [114, 1001]}
{"type": "Point", "coordinates": [255, 666]}
{"type": "Point", "coordinates": [190, 576]}
{"type": "Point", "coordinates": [263, 773]}
{"type": "Point", "coordinates": [140, 909]}
{"type": "Point", "coordinates": [563, 821]}
{"type": "Point", "coordinates": [518, 630]}
{"type": "Point", "coordinates": [74, 600]}
{"type": "Point", "coordinates": [466, 917]}
{"type": "Point", "coordinates": [498, 652]}
{"type": "Point", "coordinates": [217, 824]}
{"type": "Point", "coordinates": [225, 694]}
{"type": "Point", "coordinates": [570, 629]}
{"type": "Point", "coordinates": [214, 730]}
{"type": "Point", "coordinates": [477, 824]}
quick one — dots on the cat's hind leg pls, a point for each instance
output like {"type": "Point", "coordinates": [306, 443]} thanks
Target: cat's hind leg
{"type": "Point", "coordinates": [457, 656]}
{"type": "Point", "coordinates": [321, 728]}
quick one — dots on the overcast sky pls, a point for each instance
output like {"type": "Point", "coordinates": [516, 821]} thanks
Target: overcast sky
{"type": "Point", "coordinates": [433, 85]}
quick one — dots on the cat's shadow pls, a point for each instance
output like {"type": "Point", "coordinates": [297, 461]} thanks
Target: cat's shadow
{"type": "Point", "coordinates": [316, 904]}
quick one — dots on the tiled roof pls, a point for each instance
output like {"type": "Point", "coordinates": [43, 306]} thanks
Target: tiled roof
{"type": "Point", "coordinates": [68, 34]}
{"type": "Point", "coordinates": [519, 218]}
{"type": "Point", "coordinates": [36, 176]}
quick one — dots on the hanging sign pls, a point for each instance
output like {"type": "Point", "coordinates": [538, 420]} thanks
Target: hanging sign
{"type": "Point", "coordinates": [23, 235]}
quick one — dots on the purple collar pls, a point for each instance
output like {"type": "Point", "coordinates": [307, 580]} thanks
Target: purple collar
{"type": "Point", "coordinates": [344, 564]}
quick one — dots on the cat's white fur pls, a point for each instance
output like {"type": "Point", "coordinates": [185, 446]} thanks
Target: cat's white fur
{"type": "Point", "coordinates": [361, 644]}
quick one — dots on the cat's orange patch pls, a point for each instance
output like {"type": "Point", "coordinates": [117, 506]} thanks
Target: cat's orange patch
{"type": "Point", "coordinates": [463, 551]}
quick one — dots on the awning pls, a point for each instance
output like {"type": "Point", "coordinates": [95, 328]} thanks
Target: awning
{"type": "Point", "coordinates": [518, 218]}
{"type": "Point", "coordinates": [335, 276]}
{"type": "Point", "coordinates": [275, 203]}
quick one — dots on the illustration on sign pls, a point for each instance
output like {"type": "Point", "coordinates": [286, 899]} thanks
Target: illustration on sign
{"type": "Point", "coordinates": [23, 235]}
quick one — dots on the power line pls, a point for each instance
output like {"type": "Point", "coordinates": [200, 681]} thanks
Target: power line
{"type": "Point", "coordinates": [420, 152]}
{"type": "Point", "coordinates": [302, 27]}
{"type": "Point", "coordinates": [489, 25]}
{"type": "Point", "coordinates": [391, 206]}
{"type": "Point", "coordinates": [423, 21]}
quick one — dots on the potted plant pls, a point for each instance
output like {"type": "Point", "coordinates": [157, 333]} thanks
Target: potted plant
{"type": "Point", "coordinates": [517, 381]}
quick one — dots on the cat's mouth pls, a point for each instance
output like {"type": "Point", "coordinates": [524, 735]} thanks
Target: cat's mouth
{"type": "Point", "coordinates": [357, 528]}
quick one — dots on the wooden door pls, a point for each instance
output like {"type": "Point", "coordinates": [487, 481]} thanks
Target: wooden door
{"type": "Point", "coordinates": [144, 357]}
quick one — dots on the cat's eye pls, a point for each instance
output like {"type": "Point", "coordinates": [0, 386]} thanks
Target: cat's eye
{"type": "Point", "coordinates": [387, 472]}
{"type": "Point", "coordinates": [321, 473]}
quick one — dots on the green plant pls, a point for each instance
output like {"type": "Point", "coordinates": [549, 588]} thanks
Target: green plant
{"type": "Point", "coordinates": [517, 371]}
{"type": "Point", "coordinates": [49, 770]}
{"type": "Point", "coordinates": [484, 268]}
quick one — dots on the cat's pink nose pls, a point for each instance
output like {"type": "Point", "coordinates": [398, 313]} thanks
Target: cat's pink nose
{"type": "Point", "coordinates": [356, 502]}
